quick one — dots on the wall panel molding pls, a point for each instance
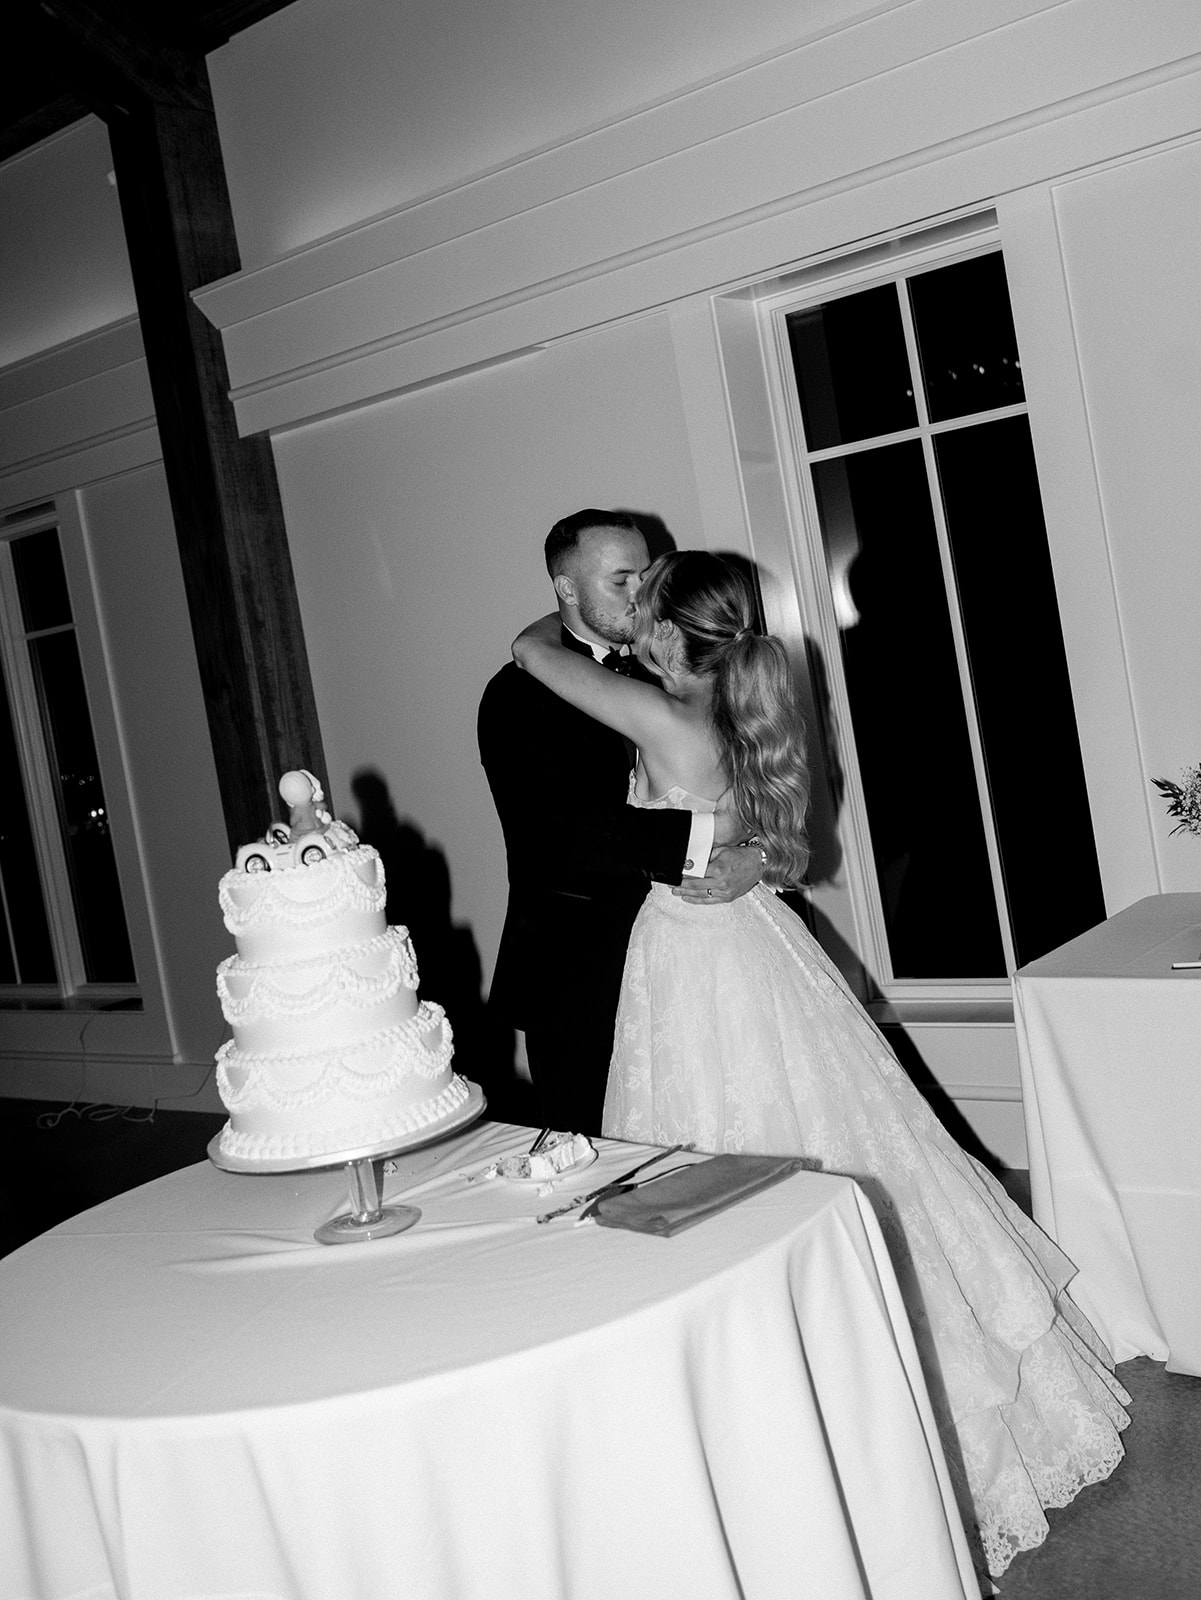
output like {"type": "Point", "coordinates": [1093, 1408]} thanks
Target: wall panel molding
{"type": "Point", "coordinates": [899, 35]}
{"type": "Point", "coordinates": [911, 114]}
{"type": "Point", "coordinates": [77, 413]}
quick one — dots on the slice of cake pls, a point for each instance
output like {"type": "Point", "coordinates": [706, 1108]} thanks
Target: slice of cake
{"type": "Point", "coordinates": [332, 1053]}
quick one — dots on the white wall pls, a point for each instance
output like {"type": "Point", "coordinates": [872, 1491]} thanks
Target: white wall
{"type": "Point", "coordinates": [63, 264]}
{"type": "Point", "coordinates": [416, 530]}
{"type": "Point", "coordinates": [1132, 256]}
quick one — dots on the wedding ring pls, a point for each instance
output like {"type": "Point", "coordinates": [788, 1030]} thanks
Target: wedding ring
{"type": "Point", "coordinates": [709, 892]}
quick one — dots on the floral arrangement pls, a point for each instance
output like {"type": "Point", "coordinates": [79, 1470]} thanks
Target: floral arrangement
{"type": "Point", "coordinates": [1184, 800]}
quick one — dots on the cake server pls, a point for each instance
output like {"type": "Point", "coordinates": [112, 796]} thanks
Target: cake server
{"type": "Point", "coordinates": [614, 1183]}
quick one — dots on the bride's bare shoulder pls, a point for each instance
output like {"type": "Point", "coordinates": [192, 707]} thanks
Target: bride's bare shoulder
{"type": "Point", "coordinates": [687, 758]}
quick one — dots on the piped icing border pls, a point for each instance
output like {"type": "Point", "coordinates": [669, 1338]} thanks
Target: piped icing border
{"type": "Point", "coordinates": [404, 1044]}
{"type": "Point", "coordinates": [409, 1119]}
{"type": "Point", "coordinates": [299, 897]}
{"type": "Point", "coordinates": [339, 979]}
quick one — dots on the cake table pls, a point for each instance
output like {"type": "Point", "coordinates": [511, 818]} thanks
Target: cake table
{"type": "Point", "coordinates": [1109, 1042]}
{"type": "Point", "coordinates": [198, 1402]}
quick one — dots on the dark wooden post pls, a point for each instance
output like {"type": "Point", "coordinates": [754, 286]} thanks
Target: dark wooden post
{"type": "Point", "coordinates": [224, 494]}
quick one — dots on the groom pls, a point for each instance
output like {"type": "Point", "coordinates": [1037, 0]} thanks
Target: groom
{"type": "Point", "coordinates": [580, 859]}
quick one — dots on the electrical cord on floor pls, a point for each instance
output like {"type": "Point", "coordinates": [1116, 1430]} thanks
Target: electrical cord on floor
{"type": "Point", "coordinates": [94, 1110]}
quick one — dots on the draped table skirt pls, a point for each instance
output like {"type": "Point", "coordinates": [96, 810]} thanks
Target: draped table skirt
{"type": "Point", "coordinates": [1109, 1044]}
{"type": "Point", "coordinates": [197, 1400]}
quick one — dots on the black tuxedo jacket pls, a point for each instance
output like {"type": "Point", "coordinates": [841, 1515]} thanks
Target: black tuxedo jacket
{"type": "Point", "coordinates": [580, 859]}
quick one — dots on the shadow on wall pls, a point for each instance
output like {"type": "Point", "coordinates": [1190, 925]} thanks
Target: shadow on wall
{"type": "Point", "coordinates": [653, 529]}
{"type": "Point", "coordinates": [910, 1058]}
{"type": "Point", "coordinates": [419, 898]}
{"type": "Point", "coordinates": [940, 1102]}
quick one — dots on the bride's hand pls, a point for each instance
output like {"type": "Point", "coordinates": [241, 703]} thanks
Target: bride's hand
{"type": "Point", "coordinates": [732, 873]}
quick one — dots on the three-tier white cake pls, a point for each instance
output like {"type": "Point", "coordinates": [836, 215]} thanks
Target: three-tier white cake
{"type": "Point", "coordinates": [332, 1053]}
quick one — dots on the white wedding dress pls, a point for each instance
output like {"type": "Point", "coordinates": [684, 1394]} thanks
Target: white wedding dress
{"type": "Point", "coordinates": [736, 1032]}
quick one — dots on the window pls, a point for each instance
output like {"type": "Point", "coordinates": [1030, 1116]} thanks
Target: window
{"type": "Point", "coordinates": [63, 930]}
{"type": "Point", "coordinates": [944, 656]}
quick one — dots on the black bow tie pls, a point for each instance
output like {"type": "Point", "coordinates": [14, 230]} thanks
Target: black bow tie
{"type": "Point", "coordinates": [618, 662]}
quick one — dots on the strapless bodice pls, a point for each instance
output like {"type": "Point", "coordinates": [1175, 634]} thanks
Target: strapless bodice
{"type": "Point", "coordinates": [676, 799]}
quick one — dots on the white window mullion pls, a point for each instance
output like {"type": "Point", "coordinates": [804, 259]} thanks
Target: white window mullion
{"type": "Point", "coordinates": [840, 452]}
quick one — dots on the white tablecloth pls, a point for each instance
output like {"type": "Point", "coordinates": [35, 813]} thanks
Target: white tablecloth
{"type": "Point", "coordinates": [1109, 1040]}
{"type": "Point", "coordinates": [197, 1400]}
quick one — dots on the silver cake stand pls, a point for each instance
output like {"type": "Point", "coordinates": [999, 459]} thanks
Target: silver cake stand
{"type": "Point", "coordinates": [368, 1217]}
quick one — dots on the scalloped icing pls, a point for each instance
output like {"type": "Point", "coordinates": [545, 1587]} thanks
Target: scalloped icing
{"type": "Point", "coordinates": [283, 1145]}
{"type": "Point", "coordinates": [304, 896]}
{"type": "Point", "coordinates": [331, 1049]}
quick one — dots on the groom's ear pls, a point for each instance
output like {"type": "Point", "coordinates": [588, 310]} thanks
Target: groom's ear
{"type": "Point", "coordinates": [565, 589]}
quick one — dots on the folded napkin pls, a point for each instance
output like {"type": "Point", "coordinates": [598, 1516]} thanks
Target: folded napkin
{"type": "Point", "coordinates": [669, 1205]}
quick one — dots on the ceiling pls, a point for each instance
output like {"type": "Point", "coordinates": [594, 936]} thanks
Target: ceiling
{"type": "Point", "coordinates": [47, 81]}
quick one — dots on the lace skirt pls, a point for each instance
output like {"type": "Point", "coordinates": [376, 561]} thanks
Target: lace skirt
{"type": "Point", "coordinates": [735, 1032]}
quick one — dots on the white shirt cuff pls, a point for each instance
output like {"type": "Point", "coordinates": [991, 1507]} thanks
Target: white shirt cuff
{"type": "Point", "coordinates": [700, 844]}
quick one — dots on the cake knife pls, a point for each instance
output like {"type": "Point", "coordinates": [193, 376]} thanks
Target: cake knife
{"type": "Point", "coordinates": [605, 1188]}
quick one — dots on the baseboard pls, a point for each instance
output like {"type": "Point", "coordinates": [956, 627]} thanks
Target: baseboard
{"type": "Point", "coordinates": [165, 1084]}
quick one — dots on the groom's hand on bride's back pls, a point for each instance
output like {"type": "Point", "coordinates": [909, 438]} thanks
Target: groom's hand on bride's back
{"type": "Point", "coordinates": [732, 872]}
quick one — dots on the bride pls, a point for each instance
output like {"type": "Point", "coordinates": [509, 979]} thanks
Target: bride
{"type": "Point", "coordinates": [736, 1033]}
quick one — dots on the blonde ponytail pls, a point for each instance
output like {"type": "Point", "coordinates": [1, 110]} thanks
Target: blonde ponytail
{"type": "Point", "coordinates": [754, 711]}
{"type": "Point", "coordinates": [758, 725]}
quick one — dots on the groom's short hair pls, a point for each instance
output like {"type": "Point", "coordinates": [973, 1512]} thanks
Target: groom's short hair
{"type": "Point", "coordinates": [565, 535]}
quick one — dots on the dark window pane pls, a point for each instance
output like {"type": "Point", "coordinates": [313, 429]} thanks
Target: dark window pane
{"type": "Point", "coordinates": [1020, 681]}
{"type": "Point", "coordinates": [852, 369]}
{"type": "Point", "coordinates": [26, 955]}
{"type": "Point", "coordinates": [82, 813]}
{"type": "Point", "coordinates": [965, 338]}
{"type": "Point", "coordinates": [41, 581]}
{"type": "Point", "coordinates": [907, 715]}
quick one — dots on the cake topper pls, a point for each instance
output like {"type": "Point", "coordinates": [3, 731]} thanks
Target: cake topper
{"type": "Point", "coordinates": [311, 835]}
{"type": "Point", "coordinates": [304, 795]}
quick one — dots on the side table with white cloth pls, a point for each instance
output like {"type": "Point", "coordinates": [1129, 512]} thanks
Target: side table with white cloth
{"type": "Point", "coordinates": [197, 1400]}
{"type": "Point", "coordinates": [1109, 1042]}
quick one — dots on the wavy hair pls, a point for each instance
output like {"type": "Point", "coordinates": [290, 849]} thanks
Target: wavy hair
{"type": "Point", "coordinates": [754, 712]}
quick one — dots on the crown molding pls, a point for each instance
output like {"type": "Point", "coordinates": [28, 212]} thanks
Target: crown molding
{"type": "Point", "coordinates": [76, 413]}
{"type": "Point", "coordinates": [913, 112]}
{"type": "Point", "coordinates": [900, 35]}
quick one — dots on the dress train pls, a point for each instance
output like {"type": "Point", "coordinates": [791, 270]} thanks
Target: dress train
{"type": "Point", "coordinates": [736, 1033]}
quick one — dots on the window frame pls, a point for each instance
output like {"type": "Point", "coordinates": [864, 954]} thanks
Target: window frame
{"type": "Point", "coordinates": [73, 990]}
{"type": "Point", "coordinates": [891, 263]}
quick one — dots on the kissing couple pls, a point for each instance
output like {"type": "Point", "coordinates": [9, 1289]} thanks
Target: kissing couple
{"type": "Point", "coordinates": [646, 755]}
